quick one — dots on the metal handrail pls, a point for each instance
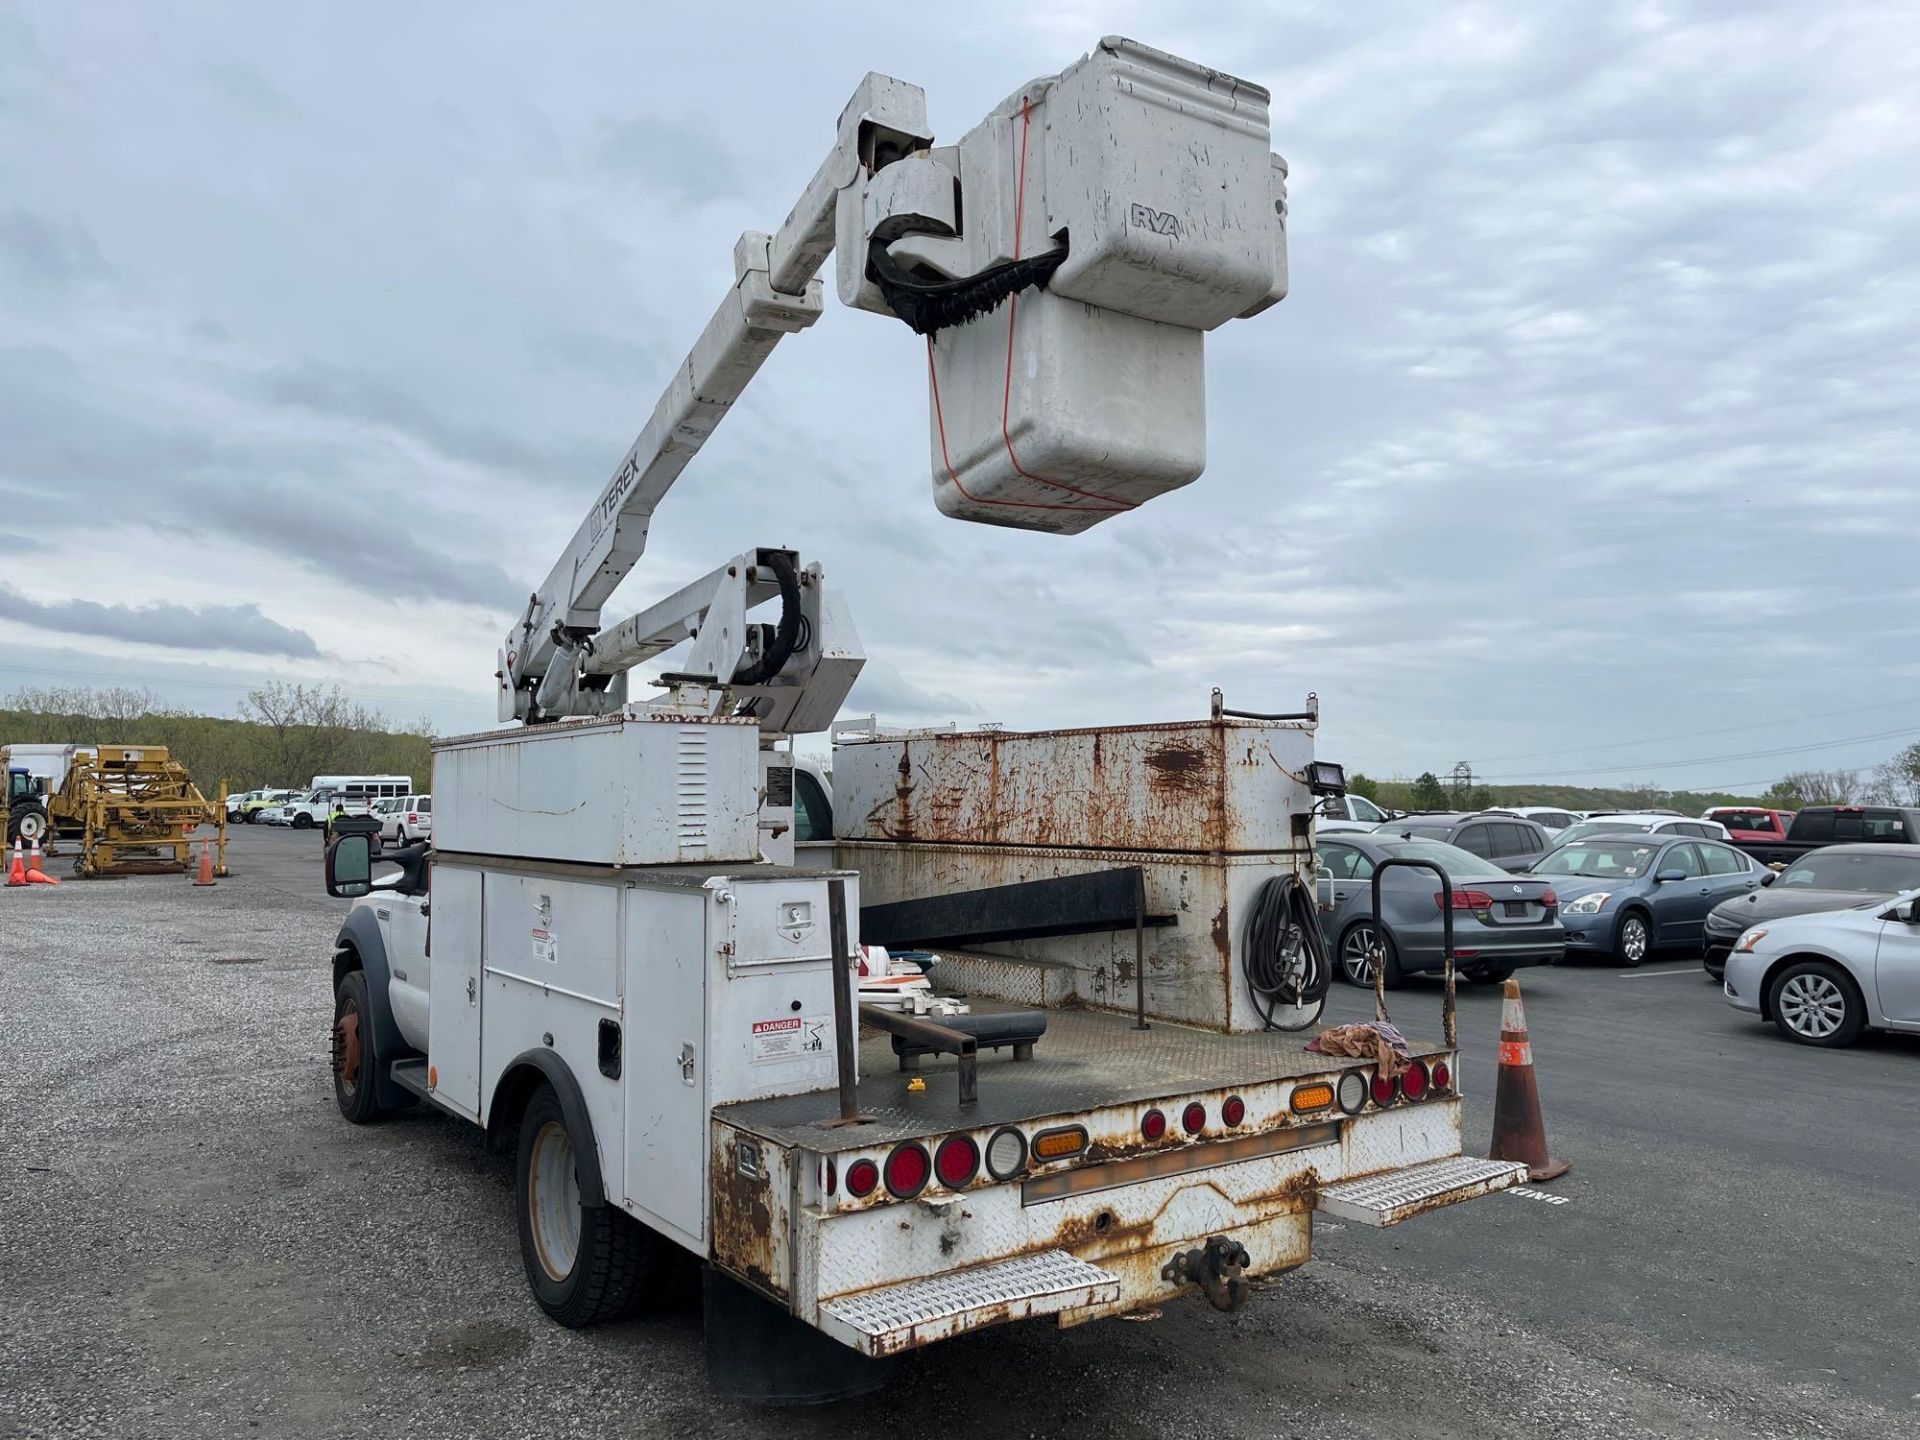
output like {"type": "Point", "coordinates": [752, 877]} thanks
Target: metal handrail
{"type": "Point", "coordinates": [1448, 1021]}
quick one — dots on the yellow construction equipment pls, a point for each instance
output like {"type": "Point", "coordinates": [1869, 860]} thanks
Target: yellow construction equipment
{"type": "Point", "coordinates": [136, 808]}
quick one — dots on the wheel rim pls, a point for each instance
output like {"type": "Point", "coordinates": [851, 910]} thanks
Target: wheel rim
{"type": "Point", "coordinates": [1633, 938]}
{"type": "Point", "coordinates": [553, 1200]}
{"type": "Point", "coordinates": [1356, 957]}
{"type": "Point", "coordinates": [1812, 1005]}
{"type": "Point", "coordinates": [346, 1050]}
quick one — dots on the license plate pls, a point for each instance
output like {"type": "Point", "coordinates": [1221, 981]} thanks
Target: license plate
{"type": "Point", "coordinates": [1517, 907]}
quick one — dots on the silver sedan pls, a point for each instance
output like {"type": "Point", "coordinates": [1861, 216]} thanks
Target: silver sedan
{"type": "Point", "coordinates": [1823, 978]}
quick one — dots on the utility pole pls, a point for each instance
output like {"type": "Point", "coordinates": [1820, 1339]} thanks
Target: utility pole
{"type": "Point", "coordinates": [1462, 781]}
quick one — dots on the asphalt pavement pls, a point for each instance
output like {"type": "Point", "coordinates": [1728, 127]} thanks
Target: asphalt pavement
{"type": "Point", "coordinates": [196, 1243]}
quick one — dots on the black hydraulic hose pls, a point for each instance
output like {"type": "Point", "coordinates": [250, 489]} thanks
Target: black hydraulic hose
{"type": "Point", "coordinates": [787, 634]}
{"type": "Point", "coordinates": [1285, 956]}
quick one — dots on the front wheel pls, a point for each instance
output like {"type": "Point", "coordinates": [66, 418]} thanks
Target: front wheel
{"type": "Point", "coordinates": [1356, 959]}
{"type": "Point", "coordinates": [30, 825]}
{"type": "Point", "coordinates": [353, 1053]}
{"type": "Point", "coordinates": [1634, 942]}
{"type": "Point", "coordinates": [1816, 1003]}
{"type": "Point", "coordinates": [303, 822]}
{"type": "Point", "coordinates": [586, 1263]}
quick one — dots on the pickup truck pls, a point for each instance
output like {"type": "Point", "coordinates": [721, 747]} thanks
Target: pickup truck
{"type": "Point", "coordinates": [1819, 825]}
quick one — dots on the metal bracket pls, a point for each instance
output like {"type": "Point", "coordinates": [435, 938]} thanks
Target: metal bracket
{"type": "Point", "coordinates": [1219, 1270]}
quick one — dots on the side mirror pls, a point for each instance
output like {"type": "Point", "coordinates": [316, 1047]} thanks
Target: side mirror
{"type": "Point", "coordinates": [1769, 877]}
{"type": "Point", "coordinates": [1668, 877]}
{"type": "Point", "coordinates": [350, 866]}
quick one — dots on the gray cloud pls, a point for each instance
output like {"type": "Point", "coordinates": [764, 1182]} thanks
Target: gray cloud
{"type": "Point", "coordinates": [241, 628]}
{"type": "Point", "coordinates": [685, 162]}
{"type": "Point", "coordinates": [45, 251]}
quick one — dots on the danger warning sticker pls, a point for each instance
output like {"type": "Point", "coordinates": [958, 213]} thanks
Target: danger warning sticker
{"type": "Point", "coordinates": [790, 1037]}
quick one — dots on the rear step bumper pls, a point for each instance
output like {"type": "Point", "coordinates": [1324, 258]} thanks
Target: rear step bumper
{"type": "Point", "coordinates": [899, 1317]}
{"type": "Point", "coordinates": [1390, 1196]}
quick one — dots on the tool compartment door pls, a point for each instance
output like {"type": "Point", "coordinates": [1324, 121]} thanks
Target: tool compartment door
{"type": "Point", "coordinates": [664, 1064]}
{"type": "Point", "coordinates": [454, 991]}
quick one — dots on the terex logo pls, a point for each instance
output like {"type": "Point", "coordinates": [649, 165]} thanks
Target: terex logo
{"type": "Point", "coordinates": [1160, 222]}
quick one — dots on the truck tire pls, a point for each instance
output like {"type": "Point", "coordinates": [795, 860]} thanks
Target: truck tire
{"type": "Point", "coordinates": [354, 1056]}
{"type": "Point", "coordinates": [303, 822]}
{"type": "Point", "coordinates": [586, 1263]}
{"type": "Point", "coordinates": [27, 823]}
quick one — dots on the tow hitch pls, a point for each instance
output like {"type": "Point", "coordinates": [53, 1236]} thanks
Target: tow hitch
{"type": "Point", "coordinates": [1219, 1269]}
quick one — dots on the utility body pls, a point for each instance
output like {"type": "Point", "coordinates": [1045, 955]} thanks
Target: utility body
{"type": "Point", "coordinates": [609, 954]}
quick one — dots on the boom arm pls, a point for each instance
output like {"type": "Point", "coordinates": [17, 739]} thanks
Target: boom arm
{"type": "Point", "coordinates": [775, 293]}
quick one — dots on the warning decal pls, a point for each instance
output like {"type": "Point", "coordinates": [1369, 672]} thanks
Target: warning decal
{"type": "Point", "coordinates": [790, 1037]}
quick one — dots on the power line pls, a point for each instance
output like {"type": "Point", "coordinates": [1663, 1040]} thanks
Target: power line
{"type": "Point", "coordinates": [1710, 759]}
{"type": "Point", "coordinates": [1701, 734]}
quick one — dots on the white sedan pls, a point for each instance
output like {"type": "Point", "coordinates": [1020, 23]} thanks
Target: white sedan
{"type": "Point", "coordinates": [1823, 978]}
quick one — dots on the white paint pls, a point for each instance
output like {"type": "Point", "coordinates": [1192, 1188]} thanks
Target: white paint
{"type": "Point", "coordinates": [1655, 974]}
{"type": "Point", "coordinates": [1528, 1194]}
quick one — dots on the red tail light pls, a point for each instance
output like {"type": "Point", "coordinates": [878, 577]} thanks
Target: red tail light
{"type": "Point", "coordinates": [862, 1176]}
{"type": "Point", "coordinates": [1442, 1077]}
{"type": "Point", "coordinates": [1153, 1125]}
{"type": "Point", "coordinates": [957, 1161]}
{"type": "Point", "coordinates": [908, 1170]}
{"type": "Point", "coordinates": [1234, 1111]}
{"type": "Point", "coordinates": [1464, 900]}
{"type": "Point", "coordinates": [1383, 1089]}
{"type": "Point", "coordinates": [1550, 900]}
{"type": "Point", "coordinates": [1193, 1119]}
{"type": "Point", "coordinates": [1413, 1084]}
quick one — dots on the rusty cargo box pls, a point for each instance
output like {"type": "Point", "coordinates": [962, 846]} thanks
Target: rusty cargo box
{"type": "Point", "coordinates": [1208, 787]}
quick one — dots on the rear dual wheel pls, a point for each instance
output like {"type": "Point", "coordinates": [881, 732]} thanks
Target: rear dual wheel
{"type": "Point", "coordinates": [586, 1263]}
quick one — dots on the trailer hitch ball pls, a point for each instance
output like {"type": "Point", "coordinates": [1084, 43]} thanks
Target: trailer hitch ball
{"type": "Point", "coordinates": [1219, 1269]}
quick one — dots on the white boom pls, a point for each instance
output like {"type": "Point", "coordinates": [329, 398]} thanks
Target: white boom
{"type": "Point", "coordinates": [1123, 207]}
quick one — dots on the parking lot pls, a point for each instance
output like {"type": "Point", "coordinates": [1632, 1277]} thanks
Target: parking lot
{"type": "Point", "coordinates": [197, 1244]}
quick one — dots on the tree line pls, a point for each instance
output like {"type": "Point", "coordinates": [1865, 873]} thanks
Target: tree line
{"type": "Point", "coordinates": [284, 735]}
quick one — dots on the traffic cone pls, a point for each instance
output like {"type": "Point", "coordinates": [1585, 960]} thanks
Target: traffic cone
{"type": "Point", "coordinates": [17, 871]}
{"type": "Point", "coordinates": [1519, 1132]}
{"type": "Point", "coordinates": [36, 872]}
{"type": "Point", "coordinates": [205, 877]}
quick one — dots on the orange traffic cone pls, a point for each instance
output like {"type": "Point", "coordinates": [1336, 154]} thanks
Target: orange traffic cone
{"type": "Point", "coordinates": [205, 877]}
{"type": "Point", "coordinates": [1519, 1131]}
{"type": "Point", "coordinates": [36, 872]}
{"type": "Point", "coordinates": [17, 871]}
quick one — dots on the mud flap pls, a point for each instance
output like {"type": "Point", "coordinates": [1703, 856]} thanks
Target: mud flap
{"type": "Point", "coordinates": [760, 1354]}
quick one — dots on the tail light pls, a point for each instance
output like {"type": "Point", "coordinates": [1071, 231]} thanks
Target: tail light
{"type": "Point", "coordinates": [1153, 1125]}
{"type": "Point", "coordinates": [1006, 1153]}
{"type": "Point", "coordinates": [1383, 1089]}
{"type": "Point", "coordinates": [1234, 1111]}
{"type": "Point", "coordinates": [957, 1161]}
{"type": "Point", "coordinates": [1413, 1084]}
{"type": "Point", "coordinates": [908, 1170]}
{"type": "Point", "coordinates": [862, 1177]}
{"type": "Point", "coordinates": [1353, 1091]}
{"type": "Point", "coordinates": [1193, 1119]}
{"type": "Point", "coordinates": [1060, 1142]}
{"type": "Point", "coordinates": [1442, 1077]}
{"type": "Point", "coordinates": [1464, 900]}
{"type": "Point", "coordinates": [1550, 900]}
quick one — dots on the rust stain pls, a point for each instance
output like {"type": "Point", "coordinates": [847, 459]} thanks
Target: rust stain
{"type": "Point", "coordinates": [1178, 768]}
{"type": "Point", "coordinates": [742, 1220]}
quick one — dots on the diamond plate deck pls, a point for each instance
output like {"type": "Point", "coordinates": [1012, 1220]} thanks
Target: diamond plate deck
{"type": "Point", "coordinates": [1086, 1060]}
{"type": "Point", "coordinates": [1395, 1195]}
{"type": "Point", "coordinates": [898, 1317]}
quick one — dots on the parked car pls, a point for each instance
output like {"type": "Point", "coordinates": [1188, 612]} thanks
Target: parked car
{"type": "Point", "coordinates": [1509, 842]}
{"type": "Point", "coordinates": [1550, 818]}
{"type": "Point", "coordinates": [410, 819]}
{"type": "Point", "coordinates": [1744, 823]}
{"type": "Point", "coordinates": [1626, 895]}
{"type": "Point", "coordinates": [1835, 877]}
{"type": "Point", "coordinates": [1646, 822]}
{"type": "Point", "coordinates": [1819, 825]}
{"type": "Point", "coordinates": [261, 801]}
{"type": "Point", "coordinates": [1500, 921]}
{"type": "Point", "coordinates": [1825, 977]}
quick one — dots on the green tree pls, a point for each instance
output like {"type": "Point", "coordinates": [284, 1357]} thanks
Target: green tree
{"type": "Point", "coordinates": [1482, 799]}
{"type": "Point", "coordinates": [1428, 792]}
{"type": "Point", "coordinates": [1365, 786]}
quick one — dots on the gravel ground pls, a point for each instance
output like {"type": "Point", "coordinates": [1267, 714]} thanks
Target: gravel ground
{"type": "Point", "coordinates": [197, 1245]}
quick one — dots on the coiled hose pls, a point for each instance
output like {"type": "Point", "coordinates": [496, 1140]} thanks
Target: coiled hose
{"type": "Point", "coordinates": [1285, 957]}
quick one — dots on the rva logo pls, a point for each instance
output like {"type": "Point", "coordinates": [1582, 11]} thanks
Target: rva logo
{"type": "Point", "coordinates": [1160, 222]}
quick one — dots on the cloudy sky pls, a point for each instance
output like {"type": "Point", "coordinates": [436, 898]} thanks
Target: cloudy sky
{"type": "Point", "coordinates": [1584, 447]}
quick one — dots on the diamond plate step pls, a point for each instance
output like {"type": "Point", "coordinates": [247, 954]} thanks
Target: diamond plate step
{"type": "Point", "coordinates": [899, 1317]}
{"type": "Point", "coordinates": [1395, 1195]}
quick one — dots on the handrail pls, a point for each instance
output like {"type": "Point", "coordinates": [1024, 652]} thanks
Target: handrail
{"type": "Point", "coordinates": [1448, 1020]}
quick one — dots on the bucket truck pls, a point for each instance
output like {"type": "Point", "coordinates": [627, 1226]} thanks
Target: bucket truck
{"type": "Point", "coordinates": [618, 967]}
